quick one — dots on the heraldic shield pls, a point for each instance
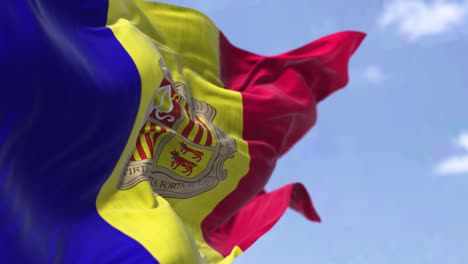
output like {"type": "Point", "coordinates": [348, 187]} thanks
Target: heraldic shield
{"type": "Point", "coordinates": [178, 150]}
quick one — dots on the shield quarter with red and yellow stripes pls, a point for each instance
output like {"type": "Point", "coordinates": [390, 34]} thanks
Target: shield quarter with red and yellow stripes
{"type": "Point", "coordinates": [179, 149]}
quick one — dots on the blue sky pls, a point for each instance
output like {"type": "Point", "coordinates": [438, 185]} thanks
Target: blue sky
{"type": "Point", "coordinates": [387, 163]}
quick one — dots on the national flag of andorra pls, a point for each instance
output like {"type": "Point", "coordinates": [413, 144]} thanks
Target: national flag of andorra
{"type": "Point", "coordinates": [135, 132]}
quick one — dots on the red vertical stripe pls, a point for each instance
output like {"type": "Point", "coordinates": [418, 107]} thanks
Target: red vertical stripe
{"type": "Point", "coordinates": [186, 106]}
{"type": "Point", "coordinates": [296, 81]}
{"type": "Point", "coordinates": [209, 136]}
{"type": "Point", "coordinates": [150, 143]}
{"type": "Point", "coordinates": [155, 136]}
{"type": "Point", "coordinates": [140, 150]}
{"type": "Point", "coordinates": [199, 135]}
{"type": "Point", "coordinates": [188, 128]}
{"type": "Point", "coordinates": [158, 133]}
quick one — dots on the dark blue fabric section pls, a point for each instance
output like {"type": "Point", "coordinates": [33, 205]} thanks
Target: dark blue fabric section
{"type": "Point", "coordinates": [69, 96]}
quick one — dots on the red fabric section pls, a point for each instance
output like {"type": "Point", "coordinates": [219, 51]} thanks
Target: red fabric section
{"type": "Point", "coordinates": [149, 143]}
{"type": "Point", "coordinates": [260, 215]}
{"type": "Point", "coordinates": [279, 96]}
{"type": "Point", "coordinates": [199, 135]}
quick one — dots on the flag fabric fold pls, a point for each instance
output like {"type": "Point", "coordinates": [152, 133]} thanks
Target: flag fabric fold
{"type": "Point", "coordinates": [134, 131]}
{"type": "Point", "coordinates": [259, 215]}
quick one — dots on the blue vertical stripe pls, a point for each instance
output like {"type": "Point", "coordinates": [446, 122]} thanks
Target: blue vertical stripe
{"type": "Point", "coordinates": [69, 96]}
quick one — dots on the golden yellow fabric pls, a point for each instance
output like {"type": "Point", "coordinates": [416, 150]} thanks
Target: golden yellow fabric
{"type": "Point", "coordinates": [186, 42]}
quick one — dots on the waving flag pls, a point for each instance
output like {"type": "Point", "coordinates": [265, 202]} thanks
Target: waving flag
{"type": "Point", "coordinates": [136, 132]}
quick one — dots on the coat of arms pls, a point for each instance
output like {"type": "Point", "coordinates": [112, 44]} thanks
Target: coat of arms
{"type": "Point", "coordinates": [178, 150]}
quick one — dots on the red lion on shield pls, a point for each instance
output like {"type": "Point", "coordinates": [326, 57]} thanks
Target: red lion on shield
{"type": "Point", "coordinates": [198, 155]}
{"type": "Point", "coordinates": [177, 161]}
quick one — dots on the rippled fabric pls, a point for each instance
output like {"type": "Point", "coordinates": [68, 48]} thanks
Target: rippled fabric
{"type": "Point", "coordinates": [69, 96]}
{"type": "Point", "coordinates": [135, 132]}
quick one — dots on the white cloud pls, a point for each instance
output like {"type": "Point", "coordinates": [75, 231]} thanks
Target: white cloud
{"type": "Point", "coordinates": [374, 75]}
{"type": "Point", "coordinates": [420, 18]}
{"type": "Point", "coordinates": [456, 164]}
{"type": "Point", "coordinates": [462, 141]}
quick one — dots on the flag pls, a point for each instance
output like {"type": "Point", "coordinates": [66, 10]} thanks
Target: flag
{"type": "Point", "coordinates": [136, 132]}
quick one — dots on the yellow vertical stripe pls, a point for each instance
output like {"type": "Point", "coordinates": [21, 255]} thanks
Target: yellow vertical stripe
{"type": "Point", "coordinates": [193, 132]}
{"type": "Point", "coordinates": [195, 41]}
{"type": "Point", "coordinates": [145, 146]}
{"type": "Point", "coordinates": [137, 212]}
{"type": "Point", "coordinates": [147, 127]}
{"type": "Point", "coordinates": [170, 229]}
{"type": "Point", "coordinates": [136, 155]}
